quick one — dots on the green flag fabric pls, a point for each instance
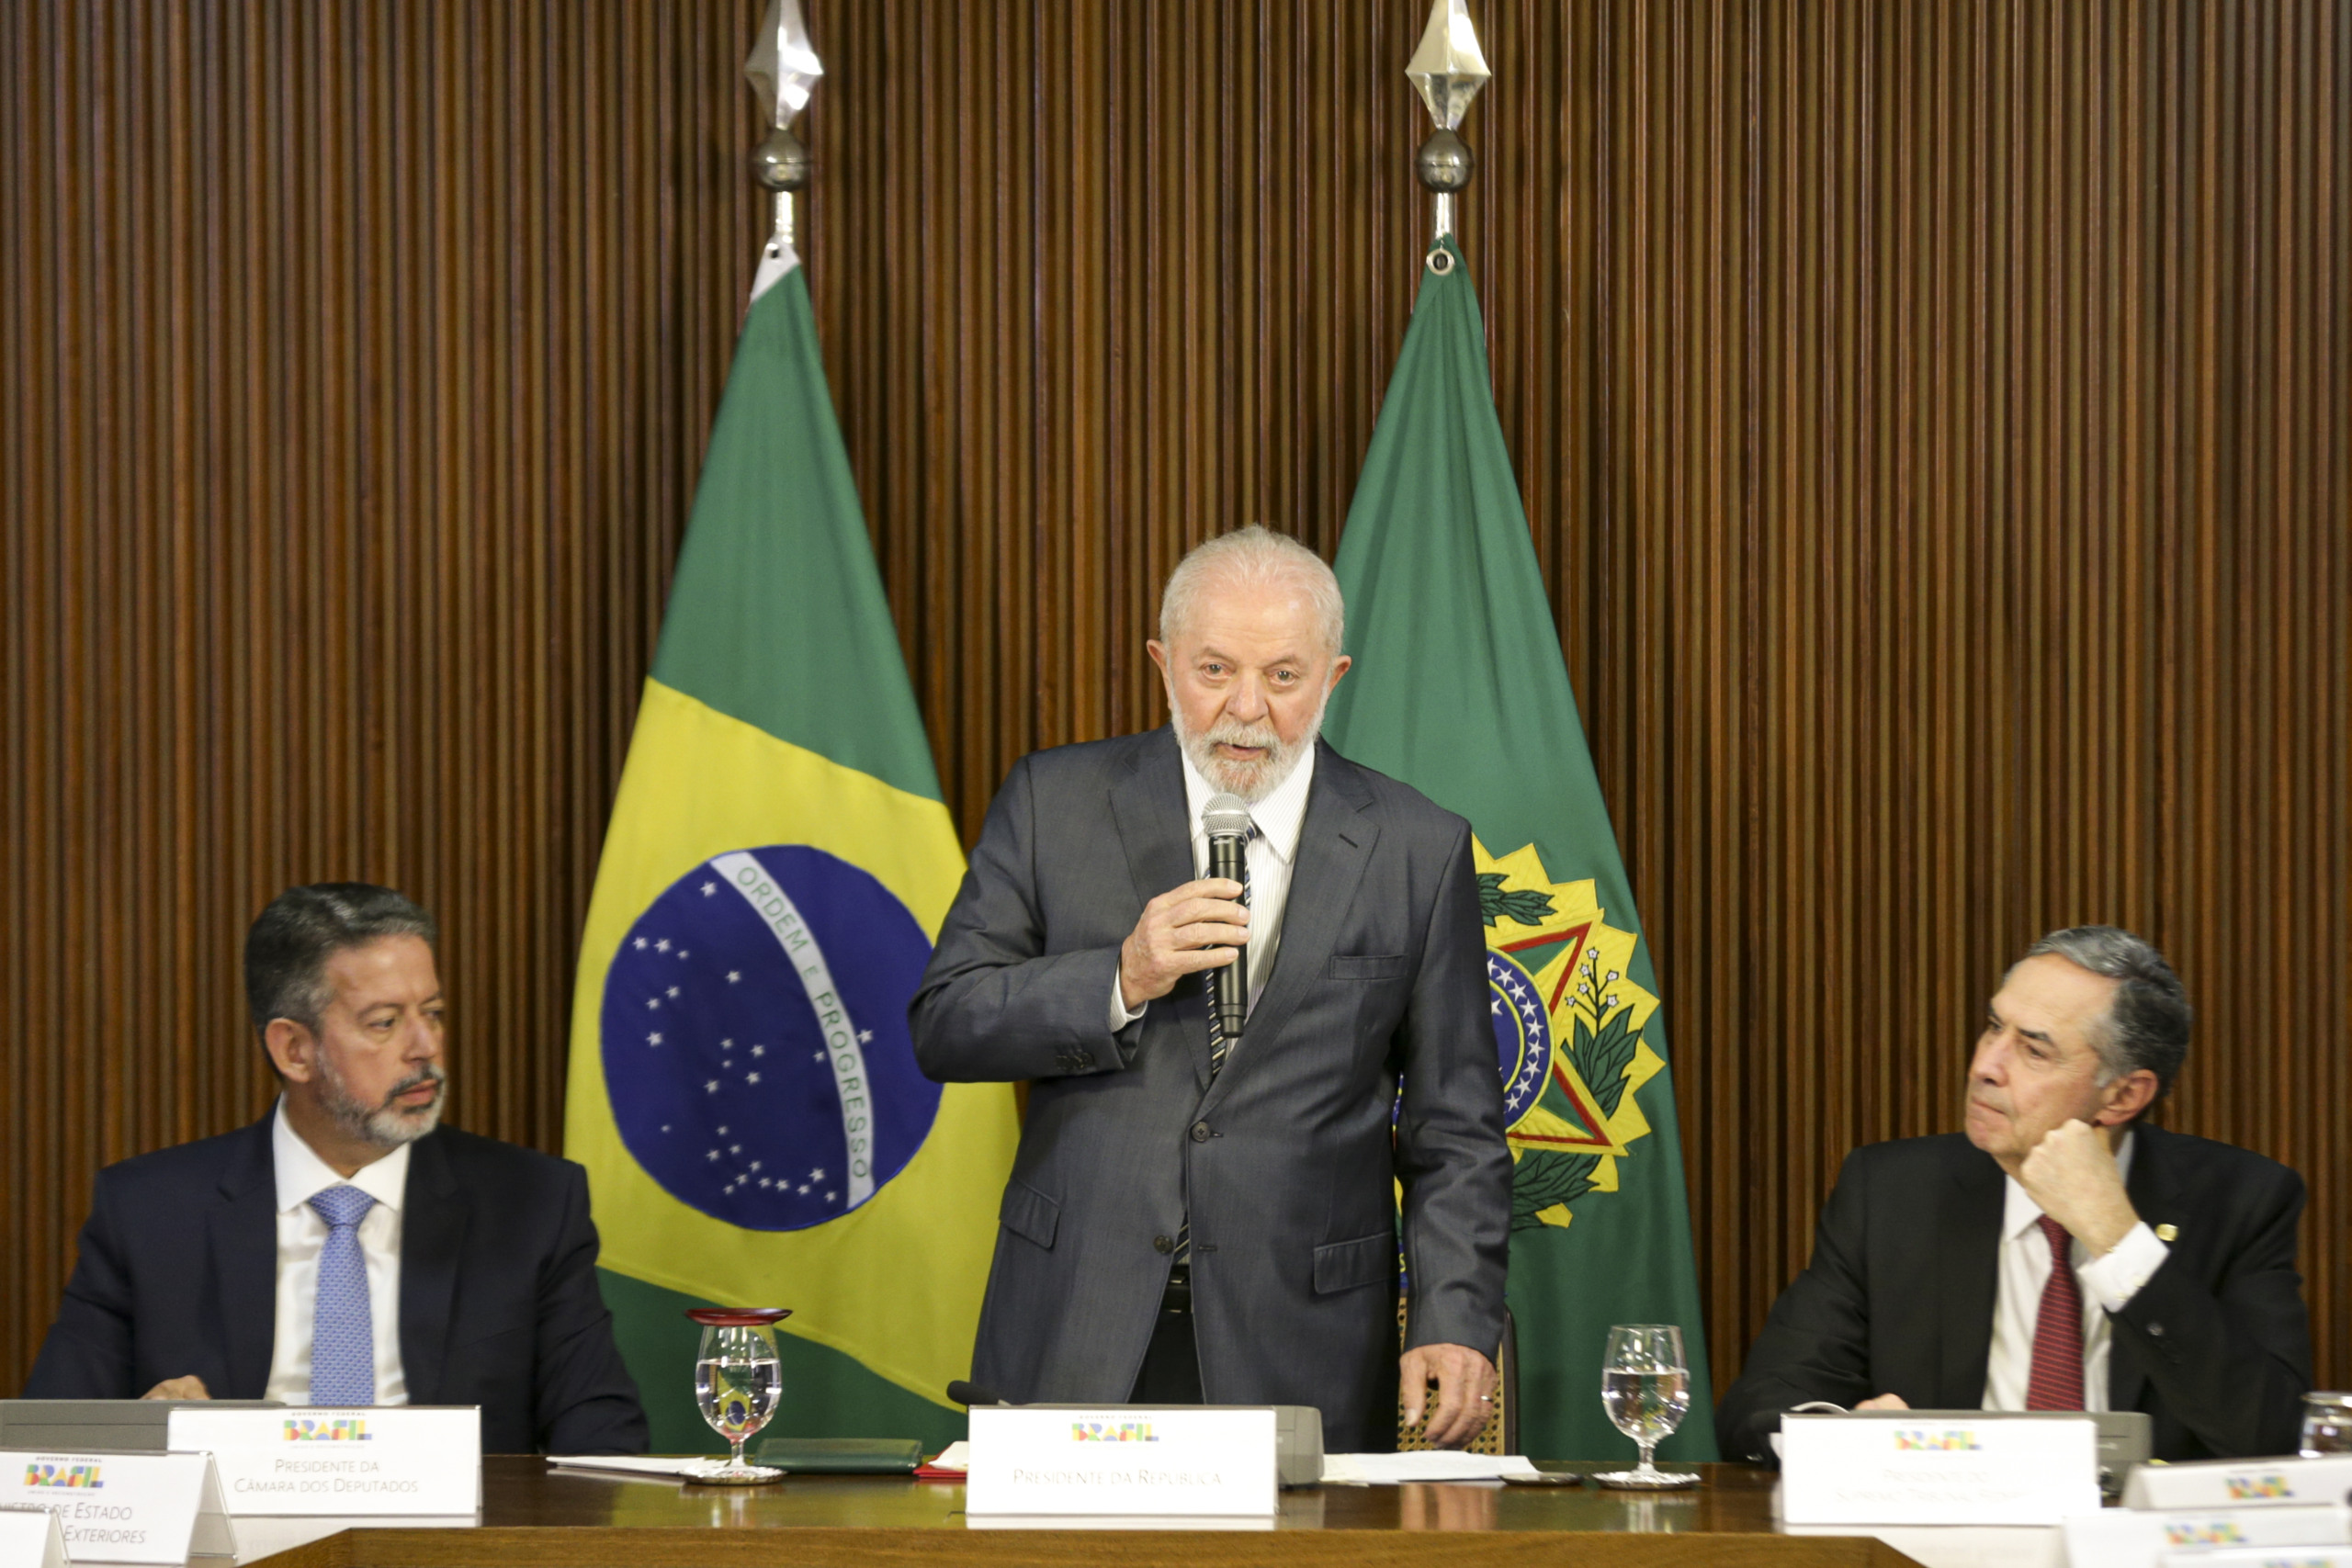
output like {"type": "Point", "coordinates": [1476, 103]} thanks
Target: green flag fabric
{"type": "Point", "coordinates": [743, 1086]}
{"type": "Point", "coordinates": [1459, 689]}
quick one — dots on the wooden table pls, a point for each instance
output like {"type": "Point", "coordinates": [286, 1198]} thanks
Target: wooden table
{"type": "Point", "coordinates": [532, 1516]}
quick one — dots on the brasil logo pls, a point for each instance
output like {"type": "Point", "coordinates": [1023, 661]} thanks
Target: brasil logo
{"type": "Point", "coordinates": [337, 1429]}
{"type": "Point", "coordinates": [1954, 1439]}
{"type": "Point", "coordinates": [41, 1472]}
{"type": "Point", "coordinates": [1110, 1432]}
{"type": "Point", "coordinates": [1569, 1022]}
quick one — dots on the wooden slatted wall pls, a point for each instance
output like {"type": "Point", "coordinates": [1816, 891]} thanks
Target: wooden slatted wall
{"type": "Point", "coordinates": [1932, 417]}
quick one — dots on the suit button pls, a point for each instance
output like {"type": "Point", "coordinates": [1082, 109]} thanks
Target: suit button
{"type": "Point", "coordinates": [1163, 1243]}
{"type": "Point", "coordinates": [1200, 1132]}
{"type": "Point", "coordinates": [2155, 1331]}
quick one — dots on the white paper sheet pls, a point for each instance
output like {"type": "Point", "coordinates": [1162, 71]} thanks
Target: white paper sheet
{"type": "Point", "coordinates": [1433, 1464]}
{"type": "Point", "coordinates": [637, 1464]}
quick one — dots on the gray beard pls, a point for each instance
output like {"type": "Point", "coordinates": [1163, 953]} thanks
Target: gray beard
{"type": "Point", "coordinates": [385, 1126]}
{"type": "Point", "coordinates": [1253, 782]}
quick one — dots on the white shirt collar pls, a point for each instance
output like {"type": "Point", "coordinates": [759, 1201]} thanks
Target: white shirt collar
{"type": "Point", "coordinates": [2021, 1212]}
{"type": "Point", "coordinates": [1280, 816]}
{"type": "Point", "coordinates": [302, 1175]}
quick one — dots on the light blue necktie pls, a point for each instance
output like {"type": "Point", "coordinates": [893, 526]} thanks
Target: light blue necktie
{"type": "Point", "coordinates": [343, 1332]}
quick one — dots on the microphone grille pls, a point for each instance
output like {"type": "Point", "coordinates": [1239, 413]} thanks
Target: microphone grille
{"type": "Point", "coordinates": [1224, 814]}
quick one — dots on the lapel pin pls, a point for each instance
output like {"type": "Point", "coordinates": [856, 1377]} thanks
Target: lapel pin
{"type": "Point", "coordinates": [2167, 1232]}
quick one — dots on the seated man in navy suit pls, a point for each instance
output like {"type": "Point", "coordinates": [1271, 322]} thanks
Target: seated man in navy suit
{"type": "Point", "coordinates": [2061, 1254]}
{"type": "Point", "coordinates": [346, 1250]}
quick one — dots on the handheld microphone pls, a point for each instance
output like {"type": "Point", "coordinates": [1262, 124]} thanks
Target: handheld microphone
{"type": "Point", "coordinates": [1227, 822]}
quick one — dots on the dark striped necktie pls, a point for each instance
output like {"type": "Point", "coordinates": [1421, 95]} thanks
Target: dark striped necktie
{"type": "Point", "coordinates": [2056, 1381]}
{"type": "Point", "coordinates": [1219, 1046]}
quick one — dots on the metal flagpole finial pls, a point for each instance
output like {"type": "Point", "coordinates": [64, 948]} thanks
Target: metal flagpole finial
{"type": "Point", "coordinates": [1448, 69]}
{"type": "Point", "coordinates": [782, 68]}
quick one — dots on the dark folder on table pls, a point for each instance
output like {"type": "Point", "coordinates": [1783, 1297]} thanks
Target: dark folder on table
{"type": "Point", "coordinates": [842, 1456]}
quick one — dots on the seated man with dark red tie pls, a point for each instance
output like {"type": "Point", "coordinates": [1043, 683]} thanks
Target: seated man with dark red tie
{"type": "Point", "coordinates": [1932, 1284]}
{"type": "Point", "coordinates": [345, 1249]}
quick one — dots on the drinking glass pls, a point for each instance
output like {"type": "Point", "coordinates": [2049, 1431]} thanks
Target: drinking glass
{"type": "Point", "coordinates": [1646, 1391]}
{"type": "Point", "coordinates": [2327, 1425]}
{"type": "Point", "coordinates": [737, 1382]}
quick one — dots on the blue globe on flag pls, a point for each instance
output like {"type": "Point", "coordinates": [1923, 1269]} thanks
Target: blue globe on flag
{"type": "Point", "coordinates": [755, 1041]}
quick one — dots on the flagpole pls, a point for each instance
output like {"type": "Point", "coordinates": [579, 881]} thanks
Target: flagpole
{"type": "Point", "coordinates": [1448, 70]}
{"type": "Point", "coordinates": [782, 68]}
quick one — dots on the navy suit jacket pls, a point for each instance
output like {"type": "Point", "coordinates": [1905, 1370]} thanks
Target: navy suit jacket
{"type": "Point", "coordinates": [499, 1304]}
{"type": "Point", "coordinates": [1898, 1297]}
{"type": "Point", "coordinates": [1288, 1161]}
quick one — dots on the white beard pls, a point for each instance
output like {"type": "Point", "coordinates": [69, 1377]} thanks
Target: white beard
{"type": "Point", "coordinates": [387, 1126]}
{"type": "Point", "coordinates": [1253, 782]}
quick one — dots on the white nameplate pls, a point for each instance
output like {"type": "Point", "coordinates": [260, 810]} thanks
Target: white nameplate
{"type": "Point", "coordinates": [124, 1507]}
{"type": "Point", "coordinates": [2124, 1538]}
{"type": "Point", "coordinates": [1160, 1460]}
{"type": "Point", "coordinates": [30, 1537]}
{"type": "Point", "coordinates": [350, 1459]}
{"type": "Point", "coordinates": [1840, 1469]}
{"type": "Point", "coordinates": [2238, 1482]}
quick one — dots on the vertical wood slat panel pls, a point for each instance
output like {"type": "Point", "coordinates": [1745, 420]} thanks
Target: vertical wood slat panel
{"type": "Point", "coordinates": [1930, 419]}
{"type": "Point", "coordinates": [354, 368]}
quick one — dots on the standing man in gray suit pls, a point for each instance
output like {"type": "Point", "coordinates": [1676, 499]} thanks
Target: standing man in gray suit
{"type": "Point", "coordinates": [1193, 1218]}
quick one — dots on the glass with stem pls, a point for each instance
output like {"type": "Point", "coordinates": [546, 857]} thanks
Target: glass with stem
{"type": "Point", "coordinates": [738, 1379]}
{"type": "Point", "coordinates": [1646, 1388]}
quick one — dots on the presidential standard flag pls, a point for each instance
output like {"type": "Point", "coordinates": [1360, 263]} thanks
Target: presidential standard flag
{"type": "Point", "coordinates": [743, 1089]}
{"type": "Point", "coordinates": [1459, 690]}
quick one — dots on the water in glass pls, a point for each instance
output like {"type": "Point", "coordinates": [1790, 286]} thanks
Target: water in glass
{"type": "Point", "coordinates": [737, 1398]}
{"type": "Point", "coordinates": [1645, 1405]}
{"type": "Point", "coordinates": [1646, 1388]}
{"type": "Point", "coordinates": [738, 1379]}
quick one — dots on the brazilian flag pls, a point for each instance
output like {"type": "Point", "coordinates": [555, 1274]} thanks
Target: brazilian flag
{"type": "Point", "coordinates": [1459, 689]}
{"type": "Point", "coordinates": [743, 1089]}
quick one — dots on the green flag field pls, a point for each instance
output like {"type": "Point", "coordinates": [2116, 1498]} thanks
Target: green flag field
{"type": "Point", "coordinates": [1459, 689]}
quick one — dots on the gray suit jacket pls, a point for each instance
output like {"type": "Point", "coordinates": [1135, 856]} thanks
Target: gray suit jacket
{"type": "Point", "coordinates": [1288, 1157]}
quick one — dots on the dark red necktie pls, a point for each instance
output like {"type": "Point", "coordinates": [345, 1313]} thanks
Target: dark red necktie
{"type": "Point", "coordinates": [2057, 1380]}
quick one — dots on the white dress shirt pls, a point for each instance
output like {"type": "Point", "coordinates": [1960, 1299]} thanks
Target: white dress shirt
{"type": "Point", "coordinates": [302, 1234]}
{"type": "Point", "coordinates": [2108, 1283]}
{"type": "Point", "coordinates": [1274, 854]}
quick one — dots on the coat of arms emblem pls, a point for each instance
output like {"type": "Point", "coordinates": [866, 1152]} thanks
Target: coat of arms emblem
{"type": "Point", "coordinates": [1568, 1025]}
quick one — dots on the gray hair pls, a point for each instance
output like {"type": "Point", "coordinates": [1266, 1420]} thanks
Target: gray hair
{"type": "Point", "coordinates": [2147, 1025]}
{"type": "Point", "coordinates": [1253, 556]}
{"type": "Point", "coordinates": [291, 941]}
